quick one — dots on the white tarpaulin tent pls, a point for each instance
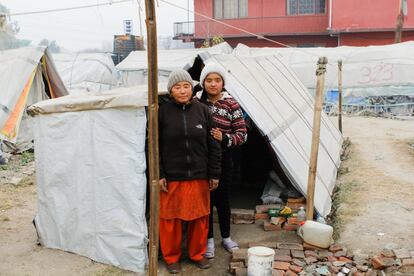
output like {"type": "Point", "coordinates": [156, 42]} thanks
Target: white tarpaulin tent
{"type": "Point", "coordinates": [27, 76]}
{"type": "Point", "coordinates": [134, 68]}
{"type": "Point", "coordinates": [90, 169]}
{"type": "Point", "coordinates": [367, 71]}
{"type": "Point", "coordinates": [282, 109]}
{"type": "Point", "coordinates": [86, 72]}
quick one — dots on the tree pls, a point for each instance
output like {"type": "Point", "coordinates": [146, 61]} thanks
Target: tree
{"type": "Point", "coordinates": [8, 32]}
{"type": "Point", "coordinates": [214, 41]}
{"type": "Point", "coordinates": [51, 45]}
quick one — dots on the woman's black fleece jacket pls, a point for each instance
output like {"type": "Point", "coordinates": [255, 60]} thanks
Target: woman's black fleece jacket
{"type": "Point", "coordinates": [187, 150]}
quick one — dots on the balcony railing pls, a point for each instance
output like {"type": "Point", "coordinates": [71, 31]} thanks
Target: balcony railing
{"type": "Point", "coordinates": [281, 25]}
{"type": "Point", "coordinates": [182, 29]}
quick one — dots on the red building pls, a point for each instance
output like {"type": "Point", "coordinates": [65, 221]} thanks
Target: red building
{"type": "Point", "coordinates": [299, 23]}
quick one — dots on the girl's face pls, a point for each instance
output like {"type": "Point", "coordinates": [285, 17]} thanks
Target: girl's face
{"type": "Point", "coordinates": [182, 92]}
{"type": "Point", "coordinates": [213, 84]}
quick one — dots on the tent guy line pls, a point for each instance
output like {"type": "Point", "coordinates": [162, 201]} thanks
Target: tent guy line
{"type": "Point", "coordinates": [70, 8]}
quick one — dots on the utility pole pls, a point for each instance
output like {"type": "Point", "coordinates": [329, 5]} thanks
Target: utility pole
{"type": "Point", "coordinates": [316, 131]}
{"type": "Point", "coordinates": [400, 23]}
{"type": "Point", "coordinates": [153, 152]}
{"type": "Point", "coordinates": [340, 95]}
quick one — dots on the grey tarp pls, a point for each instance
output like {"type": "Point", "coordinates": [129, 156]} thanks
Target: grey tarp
{"type": "Point", "coordinates": [282, 108]}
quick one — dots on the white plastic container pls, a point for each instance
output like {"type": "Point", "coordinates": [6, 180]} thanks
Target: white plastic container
{"type": "Point", "coordinates": [260, 261]}
{"type": "Point", "coordinates": [316, 233]}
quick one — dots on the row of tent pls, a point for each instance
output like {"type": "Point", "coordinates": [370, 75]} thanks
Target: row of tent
{"type": "Point", "coordinates": [374, 71]}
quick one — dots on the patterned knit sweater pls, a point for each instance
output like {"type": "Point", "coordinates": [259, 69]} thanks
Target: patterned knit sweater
{"type": "Point", "coordinates": [228, 117]}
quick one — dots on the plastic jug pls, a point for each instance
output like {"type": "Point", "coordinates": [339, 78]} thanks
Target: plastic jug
{"type": "Point", "coordinates": [316, 233]}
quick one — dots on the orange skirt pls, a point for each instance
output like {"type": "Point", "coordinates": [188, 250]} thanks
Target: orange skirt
{"type": "Point", "coordinates": [186, 200]}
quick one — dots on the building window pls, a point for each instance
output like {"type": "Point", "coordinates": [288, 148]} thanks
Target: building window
{"type": "Point", "coordinates": [295, 7]}
{"type": "Point", "coordinates": [224, 9]}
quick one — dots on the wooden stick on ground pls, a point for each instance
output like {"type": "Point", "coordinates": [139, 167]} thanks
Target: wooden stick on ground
{"type": "Point", "coordinates": [320, 73]}
{"type": "Point", "coordinates": [153, 153]}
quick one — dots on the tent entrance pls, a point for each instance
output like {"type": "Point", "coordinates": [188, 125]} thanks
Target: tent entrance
{"type": "Point", "coordinates": [254, 162]}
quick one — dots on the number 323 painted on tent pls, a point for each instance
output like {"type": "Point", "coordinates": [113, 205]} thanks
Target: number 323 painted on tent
{"type": "Point", "coordinates": [377, 74]}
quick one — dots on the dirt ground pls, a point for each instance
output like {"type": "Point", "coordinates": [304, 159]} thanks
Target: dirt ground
{"type": "Point", "coordinates": [377, 199]}
{"type": "Point", "coordinates": [376, 206]}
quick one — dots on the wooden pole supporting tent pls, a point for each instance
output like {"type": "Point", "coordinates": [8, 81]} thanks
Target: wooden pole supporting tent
{"type": "Point", "coordinates": [153, 153]}
{"type": "Point", "coordinates": [340, 95]}
{"type": "Point", "coordinates": [320, 73]}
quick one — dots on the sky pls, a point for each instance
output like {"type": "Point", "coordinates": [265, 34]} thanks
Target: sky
{"type": "Point", "coordinates": [91, 27]}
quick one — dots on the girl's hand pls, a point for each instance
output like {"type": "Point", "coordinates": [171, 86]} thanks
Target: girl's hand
{"type": "Point", "coordinates": [163, 185]}
{"type": "Point", "coordinates": [213, 184]}
{"type": "Point", "coordinates": [217, 134]}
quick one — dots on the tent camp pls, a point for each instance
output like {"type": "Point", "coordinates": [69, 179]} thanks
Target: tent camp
{"type": "Point", "coordinates": [90, 160]}
{"type": "Point", "coordinates": [27, 76]}
{"type": "Point", "coordinates": [134, 68]}
{"type": "Point", "coordinates": [86, 72]}
{"type": "Point", "coordinates": [370, 74]}
{"type": "Point", "coordinates": [91, 164]}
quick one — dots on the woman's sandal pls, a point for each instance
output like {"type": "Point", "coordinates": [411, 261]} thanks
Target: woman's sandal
{"type": "Point", "coordinates": [209, 252]}
{"type": "Point", "coordinates": [230, 246]}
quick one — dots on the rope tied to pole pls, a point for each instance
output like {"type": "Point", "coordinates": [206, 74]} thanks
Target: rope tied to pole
{"type": "Point", "coordinates": [322, 61]}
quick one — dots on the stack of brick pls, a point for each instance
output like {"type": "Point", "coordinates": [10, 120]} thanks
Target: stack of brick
{"type": "Point", "coordinates": [302, 259]}
{"type": "Point", "coordinates": [279, 223]}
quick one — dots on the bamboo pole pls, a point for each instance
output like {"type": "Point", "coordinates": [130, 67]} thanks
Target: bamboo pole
{"type": "Point", "coordinates": [320, 73]}
{"type": "Point", "coordinates": [340, 95]}
{"type": "Point", "coordinates": [400, 23]}
{"type": "Point", "coordinates": [153, 153]}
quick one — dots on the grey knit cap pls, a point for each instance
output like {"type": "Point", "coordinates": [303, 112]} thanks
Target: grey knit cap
{"type": "Point", "coordinates": [212, 68]}
{"type": "Point", "coordinates": [178, 76]}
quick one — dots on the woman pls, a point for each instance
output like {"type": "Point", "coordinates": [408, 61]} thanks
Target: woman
{"type": "Point", "coordinates": [231, 132]}
{"type": "Point", "coordinates": [189, 170]}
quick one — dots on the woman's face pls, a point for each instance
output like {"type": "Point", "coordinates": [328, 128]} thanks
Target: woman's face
{"type": "Point", "coordinates": [182, 92]}
{"type": "Point", "coordinates": [213, 84]}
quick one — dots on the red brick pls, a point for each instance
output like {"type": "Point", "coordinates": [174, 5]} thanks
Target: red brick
{"type": "Point", "coordinates": [308, 246]}
{"type": "Point", "coordinates": [281, 265]}
{"type": "Point", "coordinates": [277, 272]}
{"type": "Point", "coordinates": [265, 208]}
{"type": "Point", "coordinates": [242, 216]}
{"type": "Point", "coordinates": [335, 248]}
{"type": "Point", "coordinates": [291, 246]}
{"type": "Point", "coordinates": [295, 206]}
{"type": "Point", "coordinates": [241, 271]}
{"type": "Point", "coordinates": [379, 262]}
{"type": "Point", "coordinates": [267, 226]}
{"type": "Point", "coordinates": [290, 227]}
{"type": "Point", "coordinates": [292, 220]}
{"type": "Point", "coordinates": [332, 259]}
{"type": "Point", "coordinates": [261, 216]}
{"type": "Point", "coordinates": [264, 243]}
{"type": "Point", "coordinates": [345, 260]}
{"type": "Point", "coordinates": [282, 251]}
{"type": "Point", "coordinates": [290, 273]}
{"type": "Point", "coordinates": [296, 200]}
{"type": "Point", "coordinates": [240, 255]}
{"type": "Point", "coordinates": [311, 253]}
{"type": "Point", "coordinates": [310, 260]}
{"type": "Point", "coordinates": [283, 258]}
{"type": "Point", "coordinates": [234, 265]}
{"type": "Point", "coordinates": [297, 254]}
{"type": "Point", "coordinates": [408, 262]}
{"type": "Point", "coordinates": [295, 268]}
{"type": "Point", "coordinates": [277, 220]}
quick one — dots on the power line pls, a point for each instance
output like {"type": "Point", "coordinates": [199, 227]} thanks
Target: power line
{"type": "Point", "coordinates": [243, 30]}
{"type": "Point", "coordinates": [70, 8]}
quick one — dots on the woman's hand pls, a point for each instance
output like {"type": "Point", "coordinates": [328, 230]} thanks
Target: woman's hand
{"type": "Point", "coordinates": [213, 184]}
{"type": "Point", "coordinates": [217, 134]}
{"type": "Point", "coordinates": [163, 185]}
